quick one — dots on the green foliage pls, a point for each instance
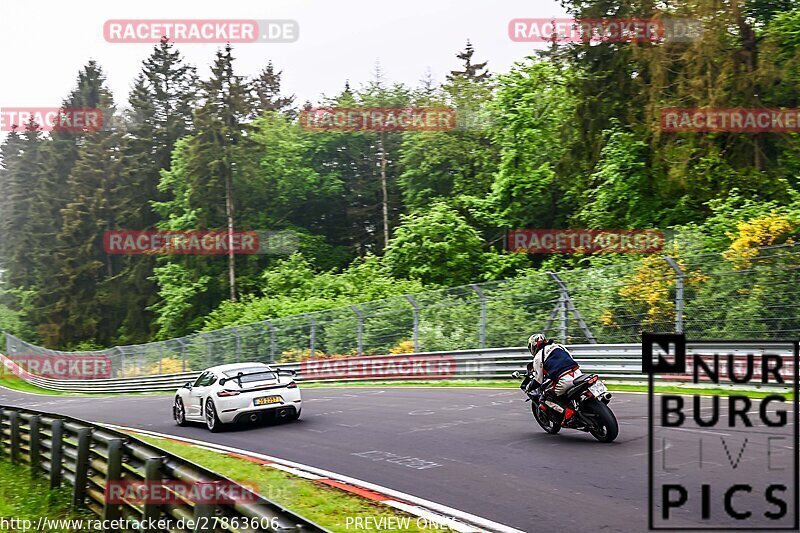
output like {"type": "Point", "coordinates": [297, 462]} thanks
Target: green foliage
{"type": "Point", "coordinates": [570, 136]}
{"type": "Point", "coordinates": [292, 286]}
{"type": "Point", "coordinates": [621, 193]}
{"type": "Point", "coordinates": [179, 290]}
{"type": "Point", "coordinates": [438, 247]}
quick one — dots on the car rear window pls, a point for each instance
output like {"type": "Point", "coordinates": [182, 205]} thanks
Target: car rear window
{"type": "Point", "coordinates": [257, 373]}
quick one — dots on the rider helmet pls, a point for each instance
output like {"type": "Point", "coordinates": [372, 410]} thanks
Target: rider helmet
{"type": "Point", "coordinates": [536, 342]}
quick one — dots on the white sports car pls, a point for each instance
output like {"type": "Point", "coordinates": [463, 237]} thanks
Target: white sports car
{"type": "Point", "coordinates": [238, 392]}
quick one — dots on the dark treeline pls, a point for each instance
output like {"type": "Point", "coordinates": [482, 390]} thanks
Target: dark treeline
{"type": "Point", "coordinates": [570, 137]}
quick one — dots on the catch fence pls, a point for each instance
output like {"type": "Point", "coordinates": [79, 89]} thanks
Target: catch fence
{"type": "Point", "coordinates": [750, 295]}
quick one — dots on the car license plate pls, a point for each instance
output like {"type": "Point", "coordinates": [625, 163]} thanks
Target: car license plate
{"type": "Point", "coordinates": [598, 388]}
{"type": "Point", "coordinates": [266, 400]}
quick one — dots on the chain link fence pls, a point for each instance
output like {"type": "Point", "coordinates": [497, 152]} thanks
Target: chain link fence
{"type": "Point", "coordinates": [752, 295]}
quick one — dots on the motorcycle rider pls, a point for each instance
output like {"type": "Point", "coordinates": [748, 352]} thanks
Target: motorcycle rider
{"type": "Point", "coordinates": [554, 362]}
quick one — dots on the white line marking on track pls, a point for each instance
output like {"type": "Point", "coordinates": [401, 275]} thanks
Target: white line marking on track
{"type": "Point", "coordinates": [483, 524]}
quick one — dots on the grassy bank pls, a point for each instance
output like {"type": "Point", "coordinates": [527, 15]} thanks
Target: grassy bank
{"type": "Point", "coordinates": [514, 384]}
{"type": "Point", "coordinates": [27, 498]}
{"type": "Point", "coordinates": [15, 383]}
{"type": "Point", "coordinates": [325, 505]}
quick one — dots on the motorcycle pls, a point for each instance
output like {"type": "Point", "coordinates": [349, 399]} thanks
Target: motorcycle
{"type": "Point", "coordinates": [583, 407]}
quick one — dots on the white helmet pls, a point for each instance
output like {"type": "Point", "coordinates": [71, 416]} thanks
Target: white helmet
{"type": "Point", "coordinates": [536, 342]}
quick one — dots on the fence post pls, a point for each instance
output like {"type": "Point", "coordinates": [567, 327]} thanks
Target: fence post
{"type": "Point", "coordinates": [271, 341]}
{"type": "Point", "coordinates": [152, 473]}
{"type": "Point", "coordinates": [57, 430]}
{"type": "Point", "coordinates": [208, 349]}
{"type": "Point", "coordinates": [81, 467]}
{"type": "Point", "coordinates": [121, 372]}
{"type": "Point", "coordinates": [360, 316]}
{"type": "Point", "coordinates": [415, 307]}
{"type": "Point", "coordinates": [35, 436]}
{"type": "Point", "coordinates": [313, 339]}
{"type": "Point", "coordinates": [238, 343]}
{"type": "Point", "coordinates": [13, 422]}
{"type": "Point", "coordinates": [566, 302]}
{"type": "Point", "coordinates": [113, 473]}
{"type": "Point", "coordinates": [482, 297]}
{"type": "Point", "coordinates": [678, 293]}
{"type": "Point", "coordinates": [183, 354]}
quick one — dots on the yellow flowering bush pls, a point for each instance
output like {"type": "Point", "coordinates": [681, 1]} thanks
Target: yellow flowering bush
{"type": "Point", "coordinates": [402, 347]}
{"type": "Point", "coordinates": [757, 232]}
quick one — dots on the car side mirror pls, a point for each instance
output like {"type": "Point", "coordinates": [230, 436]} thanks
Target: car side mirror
{"type": "Point", "coordinates": [287, 372]}
{"type": "Point", "coordinates": [187, 385]}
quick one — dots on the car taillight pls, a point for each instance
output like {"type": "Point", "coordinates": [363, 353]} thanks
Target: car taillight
{"type": "Point", "coordinates": [224, 393]}
{"type": "Point", "coordinates": [291, 385]}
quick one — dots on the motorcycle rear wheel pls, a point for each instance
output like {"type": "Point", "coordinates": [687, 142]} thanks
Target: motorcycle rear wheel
{"type": "Point", "coordinates": [606, 427]}
{"type": "Point", "coordinates": [541, 417]}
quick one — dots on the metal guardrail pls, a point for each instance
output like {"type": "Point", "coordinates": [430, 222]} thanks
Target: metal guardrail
{"type": "Point", "coordinates": [88, 457]}
{"type": "Point", "coordinates": [618, 362]}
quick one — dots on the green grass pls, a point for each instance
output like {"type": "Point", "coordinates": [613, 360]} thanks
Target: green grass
{"type": "Point", "coordinates": [417, 383]}
{"type": "Point", "coordinates": [695, 390]}
{"type": "Point", "coordinates": [15, 383]}
{"type": "Point", "coordinates": [327, 506]}
{"type": "Point", "coordinates": [27, 498]}
{"type": "Point", "coordinates": [18, 384]}
{"type": "Point", "coordinates": [512, 384]}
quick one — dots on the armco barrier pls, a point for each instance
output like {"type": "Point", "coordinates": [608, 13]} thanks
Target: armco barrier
{"type": "Point", "coordinates": [90, 457]}
{"type": "Point", "coordinates": [616, 362]}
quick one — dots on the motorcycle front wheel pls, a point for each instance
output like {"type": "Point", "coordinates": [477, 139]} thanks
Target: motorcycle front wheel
{"type": "Point", "coordinates": [605, 428]}
{"type": "Point", "coordinates": [541, 417]}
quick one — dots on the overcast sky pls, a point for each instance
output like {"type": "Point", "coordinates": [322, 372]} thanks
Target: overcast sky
{"type": "Point", "coordinates": [46, 42]}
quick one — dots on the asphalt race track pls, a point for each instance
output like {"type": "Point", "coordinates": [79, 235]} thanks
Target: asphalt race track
{"type": "Point", "coordinates": [478, 450]}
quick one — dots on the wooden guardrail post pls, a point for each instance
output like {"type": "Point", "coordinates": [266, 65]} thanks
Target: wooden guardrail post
{"type": "Point", "coordinates": [35, 435]}
{"type": "Point", "coordinates": [81, 467]}
{"type": "Point", "coordinates": [113, 473]}
{"type": "Point", "coordinates": [13, 421]}
{"type": "Point", "coordinates": [203, 511]}
{"type": "Point", "coordinates": [152, 474]}
{"type": "Point", "coordinates": [56, 457]}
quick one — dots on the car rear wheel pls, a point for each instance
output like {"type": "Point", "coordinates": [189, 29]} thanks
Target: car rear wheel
{"type": "Point", "coordinates": [179, 412]}
{"type": "Point", "coordinates": [212, 420]}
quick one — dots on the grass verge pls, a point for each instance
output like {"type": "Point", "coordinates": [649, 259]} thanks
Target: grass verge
{"type": "Point", "coordinates": [325, 505]}
{"type": "Point", "coordinates": [19, 384]}
{"type": "Point", "coordinates": [511, 384]}
{"type": "Point", "coordinates": [15, 383]}
{"type": "Point", "coordinates": [27, 498]}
